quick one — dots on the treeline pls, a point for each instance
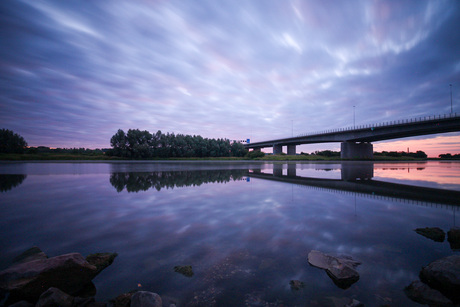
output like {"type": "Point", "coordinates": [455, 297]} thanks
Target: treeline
{"type": "Point", "coordinates": [398, 154]}
{"type": "Point", "coordinates": [73, 151]}
{"type": "Point", "coordinates": [449, 156]}
{"type": "Point", "coordinates": [11, 142]}
{"type": "Point", "coordinates": [324, 153]}
{"type": "Point", "coordinates": [327, 153]}
{"type": "Point", "coordinates": [142, 144]}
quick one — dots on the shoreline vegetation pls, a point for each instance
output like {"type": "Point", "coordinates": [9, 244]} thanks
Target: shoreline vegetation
{"type": "Point", "coordinates": [143, 145]}
{"type": "Point", "coordinates": [268, 157]}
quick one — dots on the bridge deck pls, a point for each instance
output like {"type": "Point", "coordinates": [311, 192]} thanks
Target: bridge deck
{"type": "Point", "coordinates": [371, 133]}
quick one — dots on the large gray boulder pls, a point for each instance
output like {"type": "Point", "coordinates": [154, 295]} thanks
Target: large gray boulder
{"type": "Point", "coordinates": [55, 297]}
{"type": "Point", "coordinates": [122, 300]}
{"type": "Point", "coordinates": [444, 275]}
{"type": "Point", "coordinates": [423, 294]}
{"type": "Point", "coordinates": [101, 260]}
{"type": "Point", "coordinates": [28, 280]}
{"type": "Point", "coordinates": [146, 299]}
{"type": "Point", "coordinates": [33, 253]}
{"type": "Point", "coordinates": [340, 269]}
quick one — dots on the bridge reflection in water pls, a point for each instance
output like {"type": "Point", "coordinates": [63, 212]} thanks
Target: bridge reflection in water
{"type": "Point", "coordinates": [357, 179]}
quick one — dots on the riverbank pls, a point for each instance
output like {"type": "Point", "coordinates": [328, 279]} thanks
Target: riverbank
{"type": "Point", "coordinates": [103, 157]}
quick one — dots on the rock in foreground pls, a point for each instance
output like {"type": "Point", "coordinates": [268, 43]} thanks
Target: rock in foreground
{"type": "Point", "coordinates": [33, 253]}
{"type": "Point", "coordinates": [340, 269]}
{"type": "Point", "coordinates": [55, 297]}
{"type": "Point", "coordinates": [146, 299]}
{"type": "Point", "coordinates": [453, 236]}
{"type": "Point", "coordinates": [101, 260]}
{"type": "Point", "coordinates": [185, 270]}
{"type": "Point", "coordinates": [433, 233]}
{"type": "Point", "coordinates": [423, 294]}
{"type": "Point", "coordinates": [296, 284]}
{"type": "Point", "coordinates": [444, 275]}
{"type": "Point", "coordinates": [33, 274]}
{"type": "Point", "coordinates": [28, 280]}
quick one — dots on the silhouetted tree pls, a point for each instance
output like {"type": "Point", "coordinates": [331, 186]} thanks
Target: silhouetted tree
{"type": "Point", "coordinates": [11, 142]}
{"type": "Point", "coordinates": [139, 143]}
{"type": "Point", "coordinates": [119, 143]}
{"type": "Point", "coordinates": [142, 144]}
{"type": "Point", "coordinates": [449, 156]}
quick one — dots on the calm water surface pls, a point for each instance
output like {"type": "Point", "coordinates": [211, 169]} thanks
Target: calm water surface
{"type": "Point", "coordinates": [246, 228]}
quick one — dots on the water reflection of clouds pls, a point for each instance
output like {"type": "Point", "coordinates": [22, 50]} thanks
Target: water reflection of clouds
{"type": "Point", "coordinates": [201, 225]}
{"type": "Point", "coordinates": [320, 173]}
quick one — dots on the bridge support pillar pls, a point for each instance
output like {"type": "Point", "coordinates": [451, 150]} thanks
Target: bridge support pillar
{"type": "Point", "coordinates": [352, 150]}
{"type": "Point", "coordinates": [277, 149]}
{"type": "Point", "coordinates": [291, 150]}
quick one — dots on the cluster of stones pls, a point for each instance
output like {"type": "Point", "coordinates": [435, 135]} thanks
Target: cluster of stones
{"type": "Point", "coordinates": [439, 283]}
{"type": "Point", "coordinates": [66, 281]}
{"type": "Point", "coordinates": [438, 235]}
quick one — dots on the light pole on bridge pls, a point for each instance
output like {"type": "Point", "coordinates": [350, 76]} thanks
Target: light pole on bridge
{"type": "Point", "coordinates": [354, 117]}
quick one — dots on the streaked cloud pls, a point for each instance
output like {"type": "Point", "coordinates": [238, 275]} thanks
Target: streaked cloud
{"type": "Point", "coordinates": [73, 73]}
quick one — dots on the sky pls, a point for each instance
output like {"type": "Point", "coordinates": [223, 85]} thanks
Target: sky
{"type": "Point", "coordinates": [74, 72]}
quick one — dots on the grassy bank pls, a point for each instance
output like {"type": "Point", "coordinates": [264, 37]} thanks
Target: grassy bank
{"type": "Point", "coordinates": [51, 156]}
{"type": "Point", "coordinates": [102, 157]}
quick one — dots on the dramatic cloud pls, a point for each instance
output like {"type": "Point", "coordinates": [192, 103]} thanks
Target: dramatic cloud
{"type": "Point", "coordinates": [72, 73]}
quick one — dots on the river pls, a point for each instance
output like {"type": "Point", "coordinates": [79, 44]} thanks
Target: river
{"type": "Point", "coordinates": [246, 228]}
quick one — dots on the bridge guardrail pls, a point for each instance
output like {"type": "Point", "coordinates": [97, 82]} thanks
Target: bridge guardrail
{"type": "Point", "coordinates": [384, 124]}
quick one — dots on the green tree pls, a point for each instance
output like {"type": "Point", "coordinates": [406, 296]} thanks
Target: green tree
{"type": "Point", "coordinates": [139, 143]}
{"type": "Point", "coordinates": [445, 156]}
{"type": "Point", "coordinates": [420, 154]}
{"type": "Point", "coordinates": [238, 149]}
{"type": "Point", "coordinates": [142, 144]}
{"type": "Point", "coordinates": [11, 142]}
{"type": "Point", "coordinates": [119, 143]}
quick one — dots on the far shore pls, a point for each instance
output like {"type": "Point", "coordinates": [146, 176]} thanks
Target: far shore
{"type": "Point", "coordinates": [268, 157]}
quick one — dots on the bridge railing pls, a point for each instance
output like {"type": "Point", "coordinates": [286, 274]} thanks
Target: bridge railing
{"type": "Point", "coordinates": [384, 124]}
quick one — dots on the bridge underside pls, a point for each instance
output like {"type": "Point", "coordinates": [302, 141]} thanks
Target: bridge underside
{"type": "Point", "coordinates": [348, 150]}
{"type": "Point", "coordinates": [356, 143]}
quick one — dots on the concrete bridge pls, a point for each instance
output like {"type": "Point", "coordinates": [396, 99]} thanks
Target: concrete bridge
{"type": "Point", "coordinates": [356, 141]}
